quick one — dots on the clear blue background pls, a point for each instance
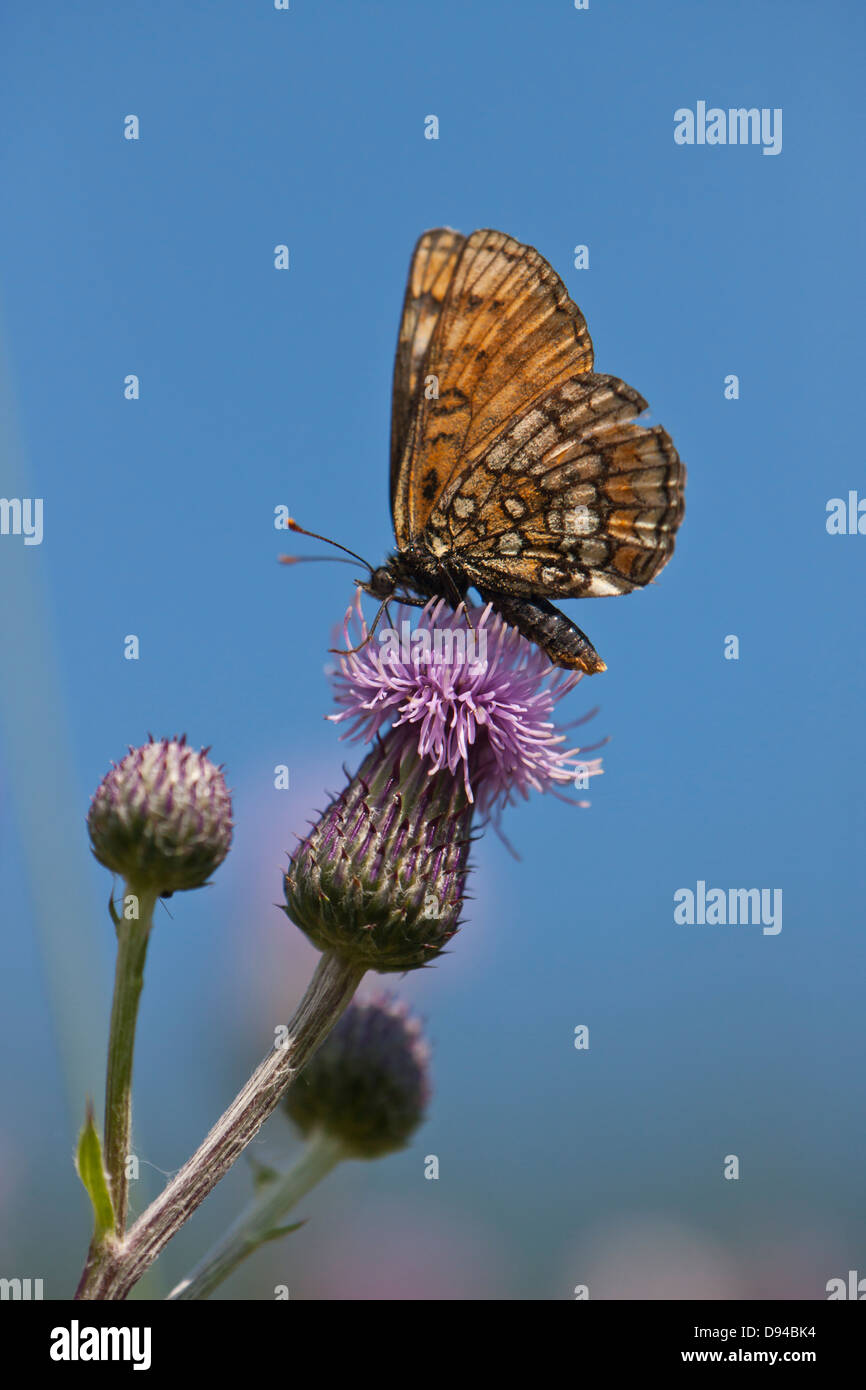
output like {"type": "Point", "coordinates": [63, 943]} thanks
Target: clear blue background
{"type": "Point", "coordinates": [258, 388]}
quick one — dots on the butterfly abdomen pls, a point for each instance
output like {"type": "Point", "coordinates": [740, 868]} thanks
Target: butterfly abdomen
{"type": "Point", "coordinates": [550, 630]}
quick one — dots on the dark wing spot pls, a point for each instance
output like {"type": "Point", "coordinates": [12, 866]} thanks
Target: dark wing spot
{"type": "Point", "coordinates": [430, 485]}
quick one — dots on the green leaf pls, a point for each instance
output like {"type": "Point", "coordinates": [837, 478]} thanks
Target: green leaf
{"type": "Point", "coordinates": [91, 1171]}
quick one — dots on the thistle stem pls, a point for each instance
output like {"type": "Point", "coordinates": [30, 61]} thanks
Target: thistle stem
{"type": "Point", "coordinates": [120, 1264]}
{"type": "Point", "coordinates": [258, 1223]}
{"type": "Point", "coordinates": [132, 939]}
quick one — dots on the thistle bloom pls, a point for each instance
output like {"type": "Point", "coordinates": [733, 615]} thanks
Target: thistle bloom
{"type": "Point", "coordinates": [368, 1085]}
{"type": "Point", "coordinates": [488, 719]}
{"type": "Point", "coordinates": [380, 878]}
{"type": "Point", "coordinates": [162, 817]}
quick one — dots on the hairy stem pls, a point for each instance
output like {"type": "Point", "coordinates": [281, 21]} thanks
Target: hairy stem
{"type": "Point", "coordinates": [132, 939]}
{"type": "Point", "coordinates": [120, 1264]}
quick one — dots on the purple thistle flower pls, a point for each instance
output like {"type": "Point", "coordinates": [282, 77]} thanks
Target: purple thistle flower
{"type": "Point", "coordinates": [460, 719]}
{"type": "Point", "coordinates": [162, 817]}
{"type": "Point", "coordinates": [477, 701]}
{"type": "Point", "coordinates": [380, 878]}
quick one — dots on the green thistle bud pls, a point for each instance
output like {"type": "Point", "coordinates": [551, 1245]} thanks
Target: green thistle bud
{"type": "Point", "coordinates": [368, 1084]}
{"type": "Point", "coordinates": [380, 878]}
{"type": "Point", "coordinates": [162, 817]}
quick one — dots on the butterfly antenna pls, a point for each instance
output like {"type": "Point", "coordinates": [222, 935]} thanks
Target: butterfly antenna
{"type": "Point", "coordinates": [311, 559]}
{"type": "Point", "coordinates": [302, 531]}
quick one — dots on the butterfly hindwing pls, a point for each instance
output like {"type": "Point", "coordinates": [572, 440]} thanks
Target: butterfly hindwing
{"type": "Point", "coordinates": [571, 499]}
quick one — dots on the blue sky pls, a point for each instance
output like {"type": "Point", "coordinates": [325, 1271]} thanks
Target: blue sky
{"type": "Point", "coordinates": [260, 387]}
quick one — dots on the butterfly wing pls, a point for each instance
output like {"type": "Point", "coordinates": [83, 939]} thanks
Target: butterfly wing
{"type": "Point", "coordinates": [571, 499]}
{"type": "Point", "coordinates": [506, 334]}
{"type": "Point", "coordinates": [430, 272]}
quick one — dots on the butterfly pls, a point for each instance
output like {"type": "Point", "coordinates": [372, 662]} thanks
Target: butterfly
{"type": "Point", "coordinates": [515, 468]}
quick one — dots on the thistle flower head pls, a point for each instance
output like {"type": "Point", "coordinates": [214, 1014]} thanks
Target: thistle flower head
{"type": "Point", "coordinates": [162, 817]}
{"type": "Point", "coordinates": [368, 1084]}
{"type": "Point", "coordinates": [477, 700]}
{"type": "Point", "coordinates": [380, 877]}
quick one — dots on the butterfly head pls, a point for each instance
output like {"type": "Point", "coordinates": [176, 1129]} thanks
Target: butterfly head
{"type": "Point", "coordinates": [382, 583]}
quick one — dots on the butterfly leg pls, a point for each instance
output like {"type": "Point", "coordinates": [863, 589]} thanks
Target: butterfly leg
{"type": "Point", "coordinates": [458, 594]}
{"type": "Point", "coordinates": [350, 651]}
{"type": "Point", "coordinates": [383, 608]}
{"type": "Point", "coordinates": [556, 635]}
{"type": "Point", "coordinates": [410, 600]}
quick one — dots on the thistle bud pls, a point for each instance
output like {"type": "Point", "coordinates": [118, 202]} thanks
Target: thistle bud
{"type": "Point", "coordinates": [380, 878]}
{"type": "Point", "coordinates": [162, 817]}
{"type": "Point", "coordinates": [368, 1084]}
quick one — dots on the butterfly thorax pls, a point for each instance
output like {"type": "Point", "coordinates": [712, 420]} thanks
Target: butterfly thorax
{"type": "Point", "coordinates": [415, 571]}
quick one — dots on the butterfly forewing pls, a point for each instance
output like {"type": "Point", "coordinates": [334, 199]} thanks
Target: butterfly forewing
{"type": "Point", "coordinates": [507, 332]}
{"type": "Point", "coordinates": [433, 262]}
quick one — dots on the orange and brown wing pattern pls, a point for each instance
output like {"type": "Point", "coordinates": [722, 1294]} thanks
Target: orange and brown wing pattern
{"type": "Point", "coordinates": [571, 499]}
{"type": "Point", "coordinates": [507, 333]}
{"type": "Point", "coordinates": [431, 269]}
